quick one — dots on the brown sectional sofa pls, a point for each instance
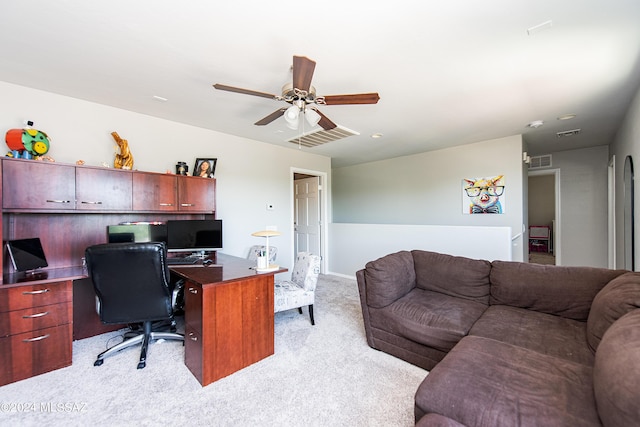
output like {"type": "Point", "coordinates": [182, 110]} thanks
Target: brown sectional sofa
{"type": "Point", "coordinates": [508, 343]}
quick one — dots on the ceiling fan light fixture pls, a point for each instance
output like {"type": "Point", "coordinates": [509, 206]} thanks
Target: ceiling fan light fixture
{"type": "Point", "coordinates": [311, 116]}
{"type": "Point", "coordinates": [291, 117]}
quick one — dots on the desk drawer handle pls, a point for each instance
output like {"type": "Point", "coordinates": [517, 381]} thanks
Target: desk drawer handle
{"type": "Point", "coordinates": [33, 316]}
{"type": "Point", "coordinates": [166, 204]}
{"type": "Point", "coordinates": [192, 337]}
{"type": "Point", "coordinates": [91, 203]}
{"type": "Point", "coordinates": [193, 291]}
{"type": "Point", "coordinates": [186, 205]}
{"type": "Point", "coordinates": [40, 338]}
{"type": "Point", "coordinates": [58, 201]}
{"type": "Point", "coordinates": [41, 291]}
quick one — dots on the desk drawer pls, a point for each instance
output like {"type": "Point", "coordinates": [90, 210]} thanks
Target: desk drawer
{"type": "Point", "coordinates": [31, 319]}
{"type": "Point", "coordinates": [33, 353]}
{"type": "Point", "coordinates": [27, 296]}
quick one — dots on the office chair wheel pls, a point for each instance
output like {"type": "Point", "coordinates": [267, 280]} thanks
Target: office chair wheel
{"type": "Point", "coordinates": [141, 365]}
{"type": "Point", "coordinates": [98, 362]}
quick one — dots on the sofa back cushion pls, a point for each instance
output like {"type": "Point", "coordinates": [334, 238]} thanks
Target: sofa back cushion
{"type": "Point", "coordinates": [453, 275]}
{"type": "Point", "coordinates": [559, 290]}
{"type": "Point", "coordinates": [616, 299]}
{"type": "Point", "coordinates": [389, 278]}
{"type": "Point", "coordinates": [616, 373]}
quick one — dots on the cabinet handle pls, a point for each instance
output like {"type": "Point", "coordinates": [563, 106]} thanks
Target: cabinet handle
{"type": "Point", "coordinates": [33, 316]}
{"type": "Point", "coordinates": [193, 291]}
{"type": "Point", "coordinates": [166, 204]}
{"type": "Point", "coordinates": [58, 201]}
{"type": "Point", "coordinates": [41, 291]}
{"type": "Point", "coordinates": [40, 338]}
{"type": "Point", "coordinates": [186, 205]}
{"type": "Point", "coordinates": [192, 337]}
{"type": "Point", "coordinates": [91, 203]}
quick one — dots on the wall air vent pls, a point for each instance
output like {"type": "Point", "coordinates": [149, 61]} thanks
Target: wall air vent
{"type": "Point", "coordinates": [319, 137]}
{"type": "Point", "coordinates": [539, 162]}
{"type": "Point", "coordinates": [566, 133]}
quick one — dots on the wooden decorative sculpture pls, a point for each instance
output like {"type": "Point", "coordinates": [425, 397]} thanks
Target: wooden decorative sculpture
{"type": "Point", "coordinates": [124, 160]}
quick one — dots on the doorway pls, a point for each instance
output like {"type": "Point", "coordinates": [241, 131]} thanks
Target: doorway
{"type": "Point", "coordinates": [544, 210]}
{"type": "Point", "coordinates": [309, 213]}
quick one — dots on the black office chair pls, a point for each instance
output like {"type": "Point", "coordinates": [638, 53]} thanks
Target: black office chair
{"type": "Point", "coordinates": [131, 281]}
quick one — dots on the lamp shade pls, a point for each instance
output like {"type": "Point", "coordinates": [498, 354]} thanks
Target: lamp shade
{"type": "Point", "coordinates": [312, 116]}
{"type": "Point", "coordinates": [291, 117]}
{"type": "Point", "coordinates": [266, 233]}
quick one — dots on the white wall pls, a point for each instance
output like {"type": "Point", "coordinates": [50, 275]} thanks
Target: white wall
{"type": "Point", "coordinates": [249, 173]}
{"type": "Point", "coordinates": [425, 189]}
{"type": "Point", "coordinates": [627, 143]}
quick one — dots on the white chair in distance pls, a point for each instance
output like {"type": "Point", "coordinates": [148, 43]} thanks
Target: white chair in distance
{"type": "Point", "coordinates": [300, 291]}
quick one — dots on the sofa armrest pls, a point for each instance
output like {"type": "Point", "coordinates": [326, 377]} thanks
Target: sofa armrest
{"type": "Point", "coordinates": [388, 279]}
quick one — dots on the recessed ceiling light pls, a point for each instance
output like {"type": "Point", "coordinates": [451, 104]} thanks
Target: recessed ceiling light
{"type": "Point", "coordinates": [566, 117]}
{"type": "Point", "coordinates": [535, 124]}
{"type": "Point", "coordinates": [376, 135]}
{"type": "Point", "coordinates": [160, 98]}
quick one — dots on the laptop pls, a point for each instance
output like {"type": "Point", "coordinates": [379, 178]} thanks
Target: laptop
{"type": "Point", "coordinates": [26, 254]}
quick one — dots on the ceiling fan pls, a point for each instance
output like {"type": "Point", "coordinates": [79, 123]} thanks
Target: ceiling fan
{"type": "Point", "coordinates": [302, 97]}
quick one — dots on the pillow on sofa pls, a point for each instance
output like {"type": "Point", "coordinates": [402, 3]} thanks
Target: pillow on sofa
{"type": "Point", "coordinates": [455, 276]}
{"type": "Point", "coordinates": [616, 299]}
{"type": "Point", "coordinates": [616, 373]}
{"type": "Point", "coordinates": [560, 290]}
{"type": "Point", "coordinates": [389, 278]}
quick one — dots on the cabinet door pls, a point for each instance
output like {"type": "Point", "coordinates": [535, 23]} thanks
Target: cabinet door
{"type": "Point", "coordinates": [154, 192]}
{"type": "Point", "coordinates": [29, 184]}
{"type": "Point", "coordinates": [103, 189]}
{"type": "Point", "coordinates": [196, 194]}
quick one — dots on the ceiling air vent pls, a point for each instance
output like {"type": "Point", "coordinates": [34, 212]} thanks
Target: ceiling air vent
{"type": "Point", "coordinates": [319, 137]}
{"type": "Point", "coordinates": [566, 133]}
{"type": "Point", "coordinates": [539, 162]}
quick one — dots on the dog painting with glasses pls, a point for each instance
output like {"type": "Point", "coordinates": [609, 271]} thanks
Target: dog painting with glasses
{"type": "Point", "coordinates": [482, 195]}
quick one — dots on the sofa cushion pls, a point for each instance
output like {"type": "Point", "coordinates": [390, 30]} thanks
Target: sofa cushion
{"type": "Point", "coordinates": [541, 332]}
{"type": "Point", "coordinates": [388, 278]}
{"type": "Point", "coordinates": [616, 299]}
{"type": "Point", "coordinates": [560, 290]}
{"type": "Point", "coordinates": [429, 318]}
{"type": "Point", "coordinates": [453, 275]}
{"type": "Point", "coordinates": [437, 420]}
{"type": "Point", "coordinates": [616, 373]}
{"type": "Point", "coordinates": [483, 382]}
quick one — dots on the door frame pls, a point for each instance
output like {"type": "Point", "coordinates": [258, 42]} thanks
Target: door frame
{"type": "Point", "coordinates": [557, 233]}
{"type": "Point", "coordinates": [323, 200]}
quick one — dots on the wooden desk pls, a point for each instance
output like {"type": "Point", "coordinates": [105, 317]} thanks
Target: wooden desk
{"type": "Point", "coordinates": [228, 316]}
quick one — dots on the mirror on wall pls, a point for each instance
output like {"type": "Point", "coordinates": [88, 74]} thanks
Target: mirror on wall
{"type": "Point", "coordinates": [629, 232]}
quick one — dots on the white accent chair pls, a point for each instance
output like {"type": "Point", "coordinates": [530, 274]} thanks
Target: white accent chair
{"type": "Point", "coordinates": [300, 291]}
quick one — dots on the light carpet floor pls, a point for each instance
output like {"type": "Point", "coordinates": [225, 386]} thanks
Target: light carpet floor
{"type": "Point", "coordinates": [322, 375]}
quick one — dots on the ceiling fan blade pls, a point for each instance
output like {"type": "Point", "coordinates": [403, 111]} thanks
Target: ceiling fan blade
{"type": "Point", "coordinates": [271, 117]}
{"type": "Point", "coordinates": [358, 98]}
{"type": "Point", "coordinates": [302, 72]}
{"type": "Point", "coordinates": [244, 91]}
{"type": "Point", "coordinates": [324, 122]}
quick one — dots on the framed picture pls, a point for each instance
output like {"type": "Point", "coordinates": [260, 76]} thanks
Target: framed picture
{"type": "Point", "coordinates": [205, 168]}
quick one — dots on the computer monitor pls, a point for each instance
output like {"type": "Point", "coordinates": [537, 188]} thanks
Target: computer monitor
{"type": "Point", "coordinates": [26, 254]}
{"type": "Point", "coordinates": [194, 235]}
{"type": "Point", "coordinates": [137, 233]}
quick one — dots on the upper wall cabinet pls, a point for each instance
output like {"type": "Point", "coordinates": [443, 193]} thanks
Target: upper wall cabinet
{"type": "Point", "coordinates": [155, 192]}
{"type": "Point", "coordinates": [196, 194]}
{"type": "Point", "coordinates": [30, 184]}
{"type": "Point", "coordinates": [103, 189]}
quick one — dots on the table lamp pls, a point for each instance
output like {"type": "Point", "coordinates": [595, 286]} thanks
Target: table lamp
{"type": "Point", "coordinates": [267, 234]}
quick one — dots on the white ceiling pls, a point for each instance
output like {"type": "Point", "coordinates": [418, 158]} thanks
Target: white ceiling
{"type": "Point", "coordinates": [448, 72]}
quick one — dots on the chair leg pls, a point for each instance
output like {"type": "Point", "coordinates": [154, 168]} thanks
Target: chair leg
{"type": "Point", "coordinates": [311, 314]}
{"type": "Point", "coordinates": [145, 345]}
{"type": "Point", "coordinates": [300, 310]}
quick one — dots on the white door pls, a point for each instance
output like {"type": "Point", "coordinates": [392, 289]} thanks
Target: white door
{"type": "Point", "coordinates": [307, 215]}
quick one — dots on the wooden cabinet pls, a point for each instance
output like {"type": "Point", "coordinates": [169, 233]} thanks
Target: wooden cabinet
{"type": "Point", "coordinates": [36, 329]}
{"type": "Point", "coordinates": [155, 192]}
{"type": "Point", "coordinates": [196, 194]}
{"type": "Point", "coordinates": [102, 189]}
{"type": "Point", "coordinates": [30, 184]}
